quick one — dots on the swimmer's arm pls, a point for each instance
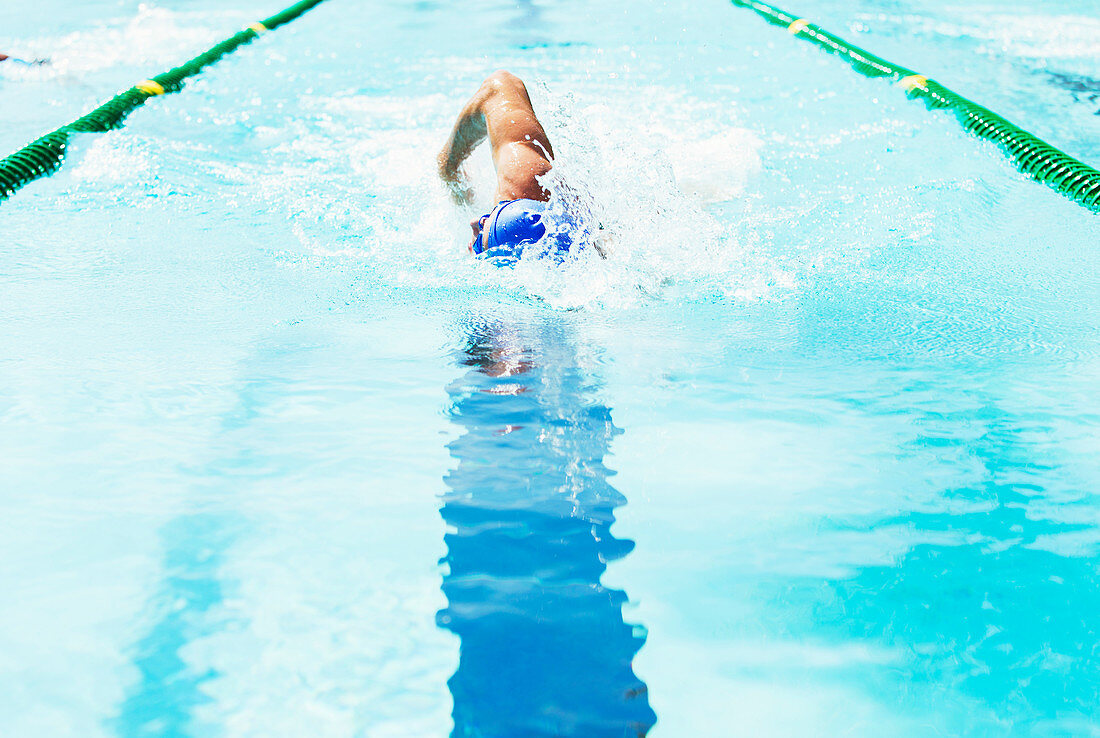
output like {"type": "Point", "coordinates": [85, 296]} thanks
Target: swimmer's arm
{"type": "Point", "coordinates": [469, 131]}
{"type": "Point", "coordinates": [500, 111]}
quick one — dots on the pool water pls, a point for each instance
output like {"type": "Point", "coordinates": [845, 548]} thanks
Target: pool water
{"type": "Point", "coordinates": [812, 453]}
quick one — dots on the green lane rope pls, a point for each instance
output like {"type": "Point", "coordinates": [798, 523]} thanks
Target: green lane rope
{"type": "Point", "coordinates": [44, 156]}
{"type": "Point", "coordinates": [1031, 155]}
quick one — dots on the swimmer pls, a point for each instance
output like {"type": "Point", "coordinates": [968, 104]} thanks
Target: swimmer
{"type": "Point", "coordinates": [501, 111]}
{"type": "Point", "coordinates": [5, 57]}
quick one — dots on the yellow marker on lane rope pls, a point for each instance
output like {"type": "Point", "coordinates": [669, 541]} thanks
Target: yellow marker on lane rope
{"type": "Point", "coordinates": [913, 81]}
{"type": "Point", "coordinates": [44, 156]}
{"type": "Point", "coordinates": [1033, 156]}
{"type": "Point", "coordinates": [798, 25]}
{"type": "Point", "coordinates": [150, 87]}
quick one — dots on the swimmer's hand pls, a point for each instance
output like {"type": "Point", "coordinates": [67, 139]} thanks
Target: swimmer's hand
{"type": "Point", "coordinates": [454, 179]}
{"type": "Point", "coordinates": [460, 191]}
{"type": "Point", "coordinates": [604, 242]}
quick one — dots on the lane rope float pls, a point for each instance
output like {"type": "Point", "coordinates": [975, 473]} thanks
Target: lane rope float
{"type": "Point", "coordinates": [44, 156]}
{"type": "Point", "coordinates": [1031, 155]}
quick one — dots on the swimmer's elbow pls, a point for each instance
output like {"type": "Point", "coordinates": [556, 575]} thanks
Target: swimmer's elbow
{"type": "Point", "coordinates": [503, 77]}
{"type": "Point", "coordinates": [501, 81]}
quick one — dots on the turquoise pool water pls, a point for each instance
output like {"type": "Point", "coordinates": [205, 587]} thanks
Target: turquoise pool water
{"type": "Point", "coordinates": [813, 453]}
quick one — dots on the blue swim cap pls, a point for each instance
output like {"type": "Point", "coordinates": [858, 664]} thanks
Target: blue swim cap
{"type": "Point", "coordinates": [514, 224]}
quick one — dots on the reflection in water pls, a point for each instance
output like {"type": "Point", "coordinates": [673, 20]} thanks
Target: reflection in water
{"type": "Point", "coordinates": [990, 612]}
{"type": "Point", "coordinates": [169, 690]}
{"type": "Point", "coordinates": [189, 604]}
{"type": "Point", "coordinates": [1084, 89]}
{"type": "Point", "coordinates": [544, 647]}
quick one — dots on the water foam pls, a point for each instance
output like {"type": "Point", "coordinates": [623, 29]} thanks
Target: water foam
{"type": "Point", "coordinates": [646, 182]}
{"type": "Point", "coordinates": [154, 36]}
